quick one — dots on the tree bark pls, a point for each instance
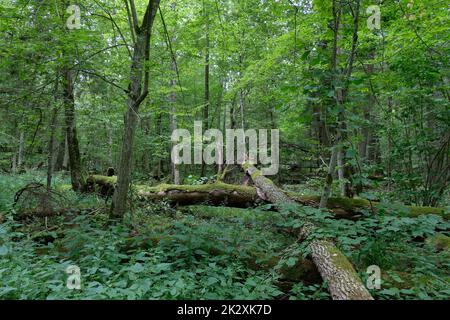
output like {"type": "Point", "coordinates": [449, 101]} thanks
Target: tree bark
{"type": "Point", "coordinates": [51, 147]}
{"type": "Point", "coordinates": [110, 147]}
{"type": "Point", "coordinates": [217, 194]}
{"type": "Point", "coordinates": [207, 98]}
{"type": "Point", "coordinates": [71, 131]}
{"type": "Point", "coordinates": [173, 126]}
{"type": "Point", "coordinates": [51, 141]}
{"type": "Point", "coordinates": [66, 154]}
{"type": "Point", "coordinates": [341, 171]}
{"type": "Point", "coordinates": [366, 146]}
{"type": "Point", "coordinates": [329, 180]}
{"type": "Point", "coordinates": [175, 171]}
{"type": "Point", "coordinates": [20, 154]}
{"type": "Point", "coordinates": [137, 92]}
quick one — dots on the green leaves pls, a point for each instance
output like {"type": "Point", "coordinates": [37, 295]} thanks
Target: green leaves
{"type": "Point", "coordinates": [291, 262]}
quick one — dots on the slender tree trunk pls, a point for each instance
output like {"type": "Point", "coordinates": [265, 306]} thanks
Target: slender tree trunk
{"type": "Point", "coordinates": [20, 153]}
{"type": "Point", "coordinates": [51, 141]}
{"type": "Point", "coordinates": [389, 144]}
{"type": "Point", "coordinates": [51, 146]}
{"type": "Point", "coordinates": [66, 154]}
{"type": "Point", "coordinates": [15, 149]}
{"type": "Point", "coordinates": [319, 125]}
{"type": "Point", "coordinates": [335, 149]}
{"type": "Point", "coordinates": [175, 171]}
{"type": "Point", "coordinates": [71, 131]}
{"type": "Point", "coordinates": [241, 96]}
{"type": "Point", "coordinates": [130, 123]}
{"type": "Point", "coordinates": [366, 147]}
{"type": "Point", "coordinates": [219, 112]}
{"type": "Point", "coordinates": [137, 92]}
{"type": "Point", "coordinates": [173, 122]}
{"type": "Point", "coordinates": [159, 162]}
{"type": "Point", "coordinates": [58, 162]}
{"type": "Point", "coordinates": [341, 171]}
{"type": "Point", "coordinates": [326, 193]}
{"type": "Point", "coordinates": [207, 98]}
{"type": "Point", "coordinates": [110, 147]}
{"type": "Point", "coordinates": [341, 92]}
{"type": "Point", "coordinates": [14, 162]}
{"type": "Point", "coordinates": [146, 155]}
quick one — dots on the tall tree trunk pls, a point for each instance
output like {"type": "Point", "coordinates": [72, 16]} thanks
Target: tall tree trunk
{"type": "Point", "coordinates": [173, 121]}
{"type": "Point", "coordinates": [51, 141]}
{"type": "Point", "coordinates": [66, 154]}
{"type": "Point", "coordinates": [15, 149]}
{"type": "Point", "coordinates": [341, 92]}
{"type": "Point", "coordinates": [241, 95]}
{"type": "Point", "coordinates": [159, 162]}
{"type": "Point", "coordinates": [207, 98]}
{"type": "Point", "coordinates": [341, 171]}
{"type": "Point", "coordinates": [366, 147]}
{"type": "Point", "coordinates": [51, 146]}
{"type": "Point", "coordinates": [335, 148]}
{"type": "Point", "coordinates": [175, 171]}
{"type": "Point", "coordinates": [130, 123]}
{"type": "Point", "coordinates": [58, 162]}
{"type": "Point", "coordinates": [389, 143]}
{"type": "Point", "coordinates": [319, 125]}
{"type": "Point", "coordinates": [14, 162]}
{"type": "Point", "coordinates": [20, 153]}
{"type": "Point", "coordinates": [137, 92]}
{"type": "Point", "coordinates": [326, 193]}
{"type": "Point", "coordinates": [71, 131]}
{"type": "Point", "coordinates": [110, 147]}
{"type": "Point", "coordinates": [219, 112]}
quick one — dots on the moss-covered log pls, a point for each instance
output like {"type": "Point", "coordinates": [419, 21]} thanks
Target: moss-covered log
{"type": "Point", "coordinates": [349, 208]}
{"type": "Point", "coordinates": [103, 184]}
{"type": "Point", "coordinates": [214, 194]}
{"type": "Point", "coordinates": [440, 242]}
{"type": "Point", "coordinates": [343, 281]}
{"type": "Point", "coordinates": [220, 193]}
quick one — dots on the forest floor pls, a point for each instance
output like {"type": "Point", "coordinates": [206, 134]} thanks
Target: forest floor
{"type": "Point", "coordinates": [204, 252]}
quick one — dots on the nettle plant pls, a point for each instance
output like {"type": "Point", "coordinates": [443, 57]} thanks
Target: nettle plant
{"type": "Point", "coordinates": [401, 246]}
{"type": "Point", "coordinates": [187, 259]}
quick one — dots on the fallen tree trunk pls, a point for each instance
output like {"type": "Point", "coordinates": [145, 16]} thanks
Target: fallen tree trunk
{"type": "Point", "coordinates": [220, 193]}
{"type": "Point", "coordinates": [352, 208]}
{"type": "Point", "coordinates": [334, 267]}
{"type": "Point", "coordinates": [343, 281]}
{"type": "Point", "coordinates": [213, 194]}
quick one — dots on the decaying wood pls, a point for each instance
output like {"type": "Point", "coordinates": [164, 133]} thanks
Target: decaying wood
{"type": "Point", "coordinates": [213, 194]}
{"type": "Point", "coordinates": [343, 281]}
{"type": "Point", "coordinates": [239, 196]}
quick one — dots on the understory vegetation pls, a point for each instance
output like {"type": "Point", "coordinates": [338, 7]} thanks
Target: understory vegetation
{"type": "Point", "coordinates": [204, 252]}
{"type": "Point", "coordinates": [225, 149]}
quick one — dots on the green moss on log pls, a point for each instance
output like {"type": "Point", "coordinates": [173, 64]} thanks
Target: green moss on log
{"type": "Point", "coordinates": [417, 211]}
{"type": "Point", "coordinates": [340, 260]}
{"type": "Point", "coordinates": [440, 242]}
{"type": "Point", "coordinates": [355, 204]}
{"type": "Point", "coordinates": [251, 192]}
{"type": "Point", "coordinates": [347, 204]}
{"type": "Point", "coordinates": [102, 180]}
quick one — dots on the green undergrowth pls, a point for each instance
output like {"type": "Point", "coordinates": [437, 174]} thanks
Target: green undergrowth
{"type": "Point", "coordinates": [203, 252]}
